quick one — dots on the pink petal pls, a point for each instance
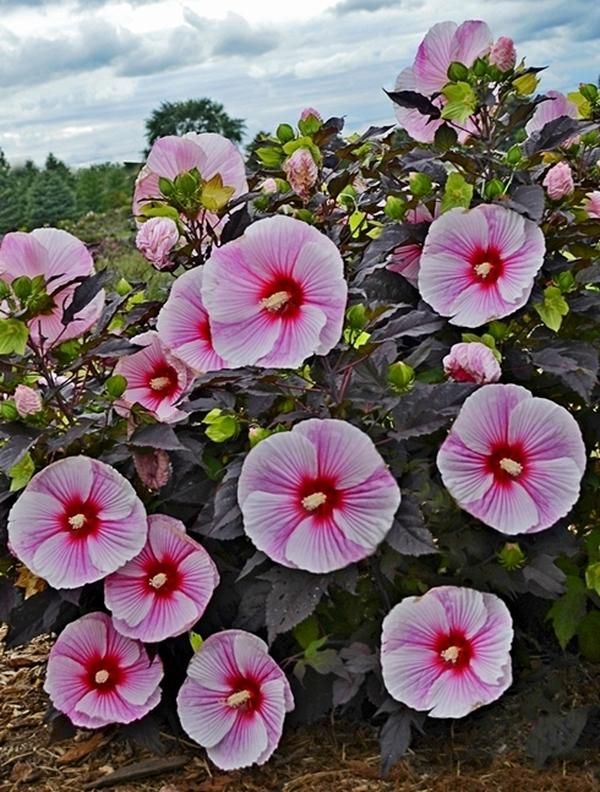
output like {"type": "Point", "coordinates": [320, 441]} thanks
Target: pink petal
{"type": "Point", "coordinates": [409, 673]}
{"type": "Point", "coordinates": [222, 157]}
{"type": "Point", "coordinates": [84, 639]}
{"type": "Point", "coordinates": [64, 563]}
{"type": "Point", "coordinates": [454, 695]}
{"type": "Point", "coordinates": [203, 714]}
{"type": "Point", "coordinates": [127, 599]}
{"type": "Point", "coordinates": [368, 510]}
{"type": "Point", "coordinates": [21, 254]}
{"type": "Point", "coordinates": [246, 343]}
{"type": "Point", "coordinates": [65, 682]}
{"type": "Point", "coordinates": [142, 680]}
{"type": "Point", "coordinates": [272, 711]}
{"type": "Point", "coordinates": [509, 509]}
{"type": "Point", "coordinates": [172, 155]}
{"type": "Point", "coordinates": [33, 519]}
{"type": "Point", "coordinates": [492, 642]}
{"type": "Point", "coordinates": [463, 471]}
{"type": "Point", "coordinates": [65, 480]}
{"type": "Point", "coordinates": [465, 608]}
{"type": "Point", "coordinates": [434, 55]}
{"type": "Point", "coordinates": [473, 39]}
{"type": "Point", "coordinates": [554, 486]}
{"type": "Point", "coordinates": [278, 464]}
{"type": "Point", "coordinates": [66, 256]}
{"type": "Point", "coordinates": [416, 621]}
{"type": "Point", "coordinates": [214, 663]}
{"type": "Point", "coordinates": [117, 542]}
{"type": "Point", "coordinates": [243, 744]}
{"type": "Point", "coordinates": [269, 521]}
{"type": "Point", "coordinates": [420, 127]}
{"type": "Point", "coordinates": [344, 453]}
{"type": "Point", "coordinates": [297, 338]}
{"type": "Point", "coordinates": [320, 546]}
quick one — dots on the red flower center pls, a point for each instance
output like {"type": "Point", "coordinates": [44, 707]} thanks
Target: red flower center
{"type": "Point", "coordinates": [319, 497]}
{"type": "Point", "coordinates": [203, 330]}
{"type": "Point", "coordinates": [246, 695]}
{"type": "Point", "coordinates": [80, 518]}
{"type": "Point", "coordinates": [486, 266]}
{"type": "Point", "coordinates": [460, 374]}
{"type": "Point", "coordinates": [162, 578]}
{"type": "Point", "coordinates": [454, 650]}
{"type": "Point", "coordinates": [507, 463]}
{"type": "Point", "coordinates": [163, 380]}
{"type": "Point", "coordinates": [104, 673]}
{"type": "Point", "coordinates": [282, 298]}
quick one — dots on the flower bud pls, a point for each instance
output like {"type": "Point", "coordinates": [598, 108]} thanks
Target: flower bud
{"type": "Point", "coordinates": [503, 54]}
{"type": "Point", "coordinates": [457, 72]}
{"type": "Point", "coordinates": [27, 400]}
{"type": "Point", "coordinates": [471, 362]}
{"type": "Point", "coordinates": [156, 239]}
{"type": "Point", "coordinates": [511, 556]}
{"type": "Point", "coordinates": [592, 204]}
{"type": "Point", "coordinates": [269, 186]}
{"type": "Point", "coordinates": [301, 172]}
{"type": "Point", "coordinates": [153, 467]}
{"type": "Point", "coordinates": [401, 377]}
{"type": "Point", "coordinates": [559, 181]}
{"type": "Point", "coordinates": [309, 112]}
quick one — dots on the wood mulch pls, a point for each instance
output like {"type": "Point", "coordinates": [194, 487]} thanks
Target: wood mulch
{"type": "Point", "coordinates": [323, 758]}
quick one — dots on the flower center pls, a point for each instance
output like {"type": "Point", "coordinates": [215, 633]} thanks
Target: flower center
{"type": "Point", "coordinates": [483, 269]}
{"type": "Point", "coordinates": [451, 654]}
{"type": "Point", "coordinates": [239, 698]}
{"type": "Point", "coordinates": [281, 298]}
{"type": "Point", "coordinates": [454, 650]}
{"type": "Point", "coordinates": [101, 677]}
{"type": "Point", "coordinates": [158, 581]}
{"type": "Point", "coordinates": [159, 383]}
{"type": "Point", "coordinates": [487, 266]}
{"type": "Point", "coordinates": [77, 521]}
{"type": "Point", "coordinates": [511, 467]}
{"type": "Point", "coordinates": [313, 501]}
{"type": "Point", "coordinates": [276, 301]}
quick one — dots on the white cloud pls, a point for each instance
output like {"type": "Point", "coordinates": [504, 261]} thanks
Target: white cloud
{"type": "Point", "coordinates": [80, 76]}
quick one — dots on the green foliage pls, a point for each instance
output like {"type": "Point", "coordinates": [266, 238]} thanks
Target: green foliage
{"type": "Point", "coordinates": [457, 193]}
{"type": "Point", "coordinates": [553, 308]}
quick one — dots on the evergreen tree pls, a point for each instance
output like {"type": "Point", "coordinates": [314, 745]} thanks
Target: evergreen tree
{"type": "Point", "coordinates": [12, 204]}
{"type": "Point", "coordinates": [50, 199]}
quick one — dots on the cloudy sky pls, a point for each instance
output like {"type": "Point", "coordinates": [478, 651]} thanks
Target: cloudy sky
{"type": "Point", "coordinates": [79, 77]}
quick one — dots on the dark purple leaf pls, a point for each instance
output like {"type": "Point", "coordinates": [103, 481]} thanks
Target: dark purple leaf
{"type": "Point", "coordinates": [84, 294]}
{"type": "Point", "coordinates": [415, 101]}
{"type": "Point", "coordinates": [408, 534]}
{"type": "Point", "coordinates": [156, 436]}
{"type": "Point", "coordinates": [574, 362]}
{"type": "Point", "coordinates": [555, 736]}
{"type": "Point", "coordinates": [293, 597]}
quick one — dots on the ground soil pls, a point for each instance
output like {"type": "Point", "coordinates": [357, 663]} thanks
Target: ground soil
{"type": "Point", "coordinates": [470, 756]}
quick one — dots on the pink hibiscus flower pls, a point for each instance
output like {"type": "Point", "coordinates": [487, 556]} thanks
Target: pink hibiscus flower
{"type": "Point", "coordinates": [234, 700]}
{"type": "Point", "coordinates": [443, 44]}
{"type": "Point", "coordinates": [448, 651]}
{"type": "Point", "coordinates": [318, 497]}
{"type": "Point", "coordinates": [512, 460]}
{"type": "Point", "coordinates": [77, 521]}
{"type": "Point", "coordinates": [471, 362]}
{"type": "Point", "coordinates": [60, 258]}
{"type": "Point", "coordinates": [184, 327]}
{"type": "Point", "coordinates": [164, 590]}
{"type": "Point", "coordinates": [275, 295]}
{"type": "Point", "coordinates": [156, 240]}
{"type": "Point", "coordinates": [592, 204]}
{"type": "Point", "coordinates": [171, 156]}
{"type": "Point", "coordinates": [405, 259]}
{"type": "Point", "coordinates": [97, 676]}
{"type": "Point", "coordinates": [479, 264]}
{"type": "Point", "coordinates": [156, 379]}
{"type": "Point", "coordinates": [554, 106]}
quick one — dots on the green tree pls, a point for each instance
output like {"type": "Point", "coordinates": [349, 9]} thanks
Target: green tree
{"type": "Point", "coordinates": [193, 115]}
{"type": "Point", "coordinates": [12, 204]}
{"type": "Point", "coordinates": [50, 199]}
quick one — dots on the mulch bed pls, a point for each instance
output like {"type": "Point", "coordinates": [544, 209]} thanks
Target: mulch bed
{"type": "Point", "coordinates": [338, 757]}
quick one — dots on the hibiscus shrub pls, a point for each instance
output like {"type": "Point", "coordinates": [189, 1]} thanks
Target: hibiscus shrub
{"type": "Point", "coordinates": [350, 461]}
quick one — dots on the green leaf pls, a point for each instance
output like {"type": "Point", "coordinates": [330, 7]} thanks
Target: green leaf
{"type": "Point", "coordinates": [196, 641]}
{"type": "Point", "coordinates": [592, 577]}
{"type": "Point", "coordinates": [525, 84]}
{"type": "Point", "coordinates": [462, 101]}
{"type": "Point", "coordinates": [13, 337]}
{"type": "Point", "coordinates": [222, 429]}
{"type": "Point", "coordinates": [8, 410]}
{"type": "Point", "coordinates": [116, 386]}
{"type": "Point", "coordinates": [310, 125]}
{"type": "Point", "coordinates": [457, 71]}
{"type": "Point", "coordinates": [303, 142]}
{"type": "Point", "coordinates": [285, 133]}
{"type": "Point", "coordinates": [394, 207]}
{"type": "Point", "coordinates": [355, 222]}
{"type": "Point", "coordinates": [568, 611]}
{"type": "Point", "coordinates": [565, 281]}
{"type": "Point", "coordinates": [270, 156]}
{"type": "Point", "coordinates": [588, 636]}
{"type": "Point", "coordinates": [554, 307]}
{"type": "Point", "coordinates": [166, 186]}
{"type": "Point", "coordinates": [457, 193]}
{"type": "Point", "coordinates": [157, 209]}
{"type": "Point", "coordinates": [21, 473]}
{"type": "Point", "coordinates": [307, 631]}
{"type": "Point", "coordinates": [22, 287]}
{"type": "Point", "coordinates": [445, 137]}
{"type": "Point", "coordinates": [214, 195]}
{"type": "Point", "coordinates": [356, 316]}
{"type": "Point", "coordinates": [420, 184]}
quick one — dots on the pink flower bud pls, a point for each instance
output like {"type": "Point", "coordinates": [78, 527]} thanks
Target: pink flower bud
{"type": "Point", "coordinates": [308, 112]}
{"type": "Point", "coordinates": [153, 468]}
{"type": "Point", "coordinates": [471, 362]}
{"type": "Point", "coordinates": [27, 400]}
{"type": "Point", "coordinates": [156, 239]}
{"type": "Point", "coordinates": [559, 181]}
{"type": "Point", "coordinates": [503, 54]}
{"type": "Point", "coordinates": [592, 204]}
{"type": "Point", "coordinates": [269, 186]}
{"type": "Point", "coordinates": [301, 171]}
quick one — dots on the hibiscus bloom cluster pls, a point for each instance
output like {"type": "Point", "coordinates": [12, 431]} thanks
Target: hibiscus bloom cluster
{"type": "Point", "coordinates": [317, 494]}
